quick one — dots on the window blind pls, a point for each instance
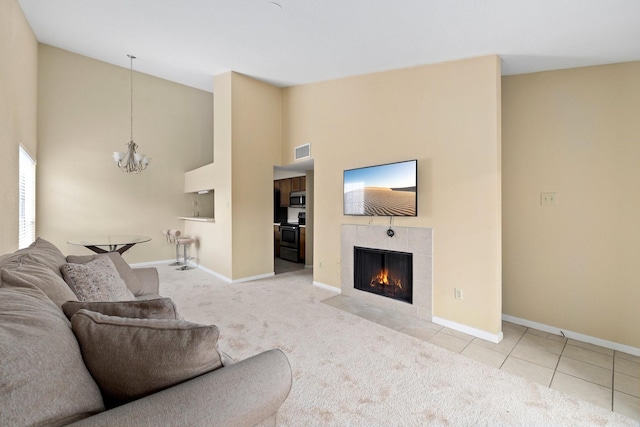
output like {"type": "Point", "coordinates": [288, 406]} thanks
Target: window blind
{"type": "Point", "coordinates": [27, 202]}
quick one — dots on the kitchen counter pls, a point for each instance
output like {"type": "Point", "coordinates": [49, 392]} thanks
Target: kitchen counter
{"type": "Point", "coordinates": [290, 222]}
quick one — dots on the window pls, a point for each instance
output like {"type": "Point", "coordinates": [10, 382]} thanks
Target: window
{"type": "Point", "coordinates": [27, 209]}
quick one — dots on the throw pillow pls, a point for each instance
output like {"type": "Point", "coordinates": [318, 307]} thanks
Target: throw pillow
{"type": "Point", "coordinates": [126, 272]}
{"type": "Point", "coordinates": [157, 308]}
{"type": "Point", "coordinates": [97, 280]}
{"type": "Point", "coordinates": [132, 358]}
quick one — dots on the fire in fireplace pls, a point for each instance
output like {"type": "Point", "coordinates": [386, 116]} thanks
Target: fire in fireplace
{"type": "Point", "coordinates": [382, 272]}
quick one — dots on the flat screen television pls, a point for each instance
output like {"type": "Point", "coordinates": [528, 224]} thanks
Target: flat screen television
{"type": "Point", "coordinates": [382, 190]}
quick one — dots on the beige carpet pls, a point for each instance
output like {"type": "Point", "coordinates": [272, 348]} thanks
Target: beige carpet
{"type": "Point", "coordinates": [351, 372]}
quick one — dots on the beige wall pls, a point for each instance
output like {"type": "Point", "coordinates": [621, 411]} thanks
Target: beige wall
{"type": "Point", "coordinates": [217, 255]}
{"type": "Point", "coordinates": [448, 117]}
{"type": "Point", "coordinates": [257, 112]}
{"type": "Point", "coordinates": [576, 265]}
{"type": "Point", "coordinates": [246, 147]}
{"type": "Point", "coordinates": [18, 112]}
{"type": "Point", "coordinates": [83, 116]}
{"type": "Point", "coordinates": [309, 222]}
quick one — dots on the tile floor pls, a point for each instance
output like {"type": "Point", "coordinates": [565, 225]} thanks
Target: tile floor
{"type": "Point", "coordinates": [283, 266]}
{"type": "Point", "coordinates": [607, 378]}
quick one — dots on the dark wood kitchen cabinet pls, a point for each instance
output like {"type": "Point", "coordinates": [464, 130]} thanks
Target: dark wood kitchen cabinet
{"type": "Point", "coordinates": [295, 184]}
{"type": "Point", "coordinates": [298, 183]}
{"type": "Point", "coordinates": [285, 190]}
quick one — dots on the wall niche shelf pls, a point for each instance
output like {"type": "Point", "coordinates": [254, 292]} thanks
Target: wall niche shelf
{"type": "Point", "coordinates": [197, 218]}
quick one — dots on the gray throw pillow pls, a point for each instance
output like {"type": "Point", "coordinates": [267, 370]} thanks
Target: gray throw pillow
{"type": "Point", "coordinates": [157, 308]}
{"type": "Point", "coordinates": [132, 358]}
{"type": "Point", "coordinates": [97, 280]}
{"type": "Point", "coordinates": [126, 272]}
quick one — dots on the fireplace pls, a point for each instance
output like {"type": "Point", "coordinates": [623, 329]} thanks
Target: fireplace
{"type": "Point", "coordinates": [384, 272]}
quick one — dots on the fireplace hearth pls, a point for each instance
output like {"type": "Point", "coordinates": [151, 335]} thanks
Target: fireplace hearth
{"type": "Point", "coordinates": [384, 272]}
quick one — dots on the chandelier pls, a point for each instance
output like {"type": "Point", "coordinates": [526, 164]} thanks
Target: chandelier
{"type": "Point", "coordinates": [131, 161]}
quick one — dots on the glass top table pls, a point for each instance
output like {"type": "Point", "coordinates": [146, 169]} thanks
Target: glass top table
{"type": "Point", "coordinates": [112, 243]}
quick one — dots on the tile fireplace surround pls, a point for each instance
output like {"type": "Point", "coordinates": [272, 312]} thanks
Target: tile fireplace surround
{"type": "Point", "coordinates": [418, 241]}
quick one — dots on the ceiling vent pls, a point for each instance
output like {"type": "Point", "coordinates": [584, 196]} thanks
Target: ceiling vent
{"type": "Point", "coordinates": [302, 151]}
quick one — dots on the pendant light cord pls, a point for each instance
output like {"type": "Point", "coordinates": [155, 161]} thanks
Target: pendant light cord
{"type": "Point", "coordinates": [131, 57]}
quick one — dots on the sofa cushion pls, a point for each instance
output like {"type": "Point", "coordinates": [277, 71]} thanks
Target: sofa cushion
{"type": "Point", "coordinates": [96, 280]}
{"type": "Point", "coordinates": [40, 252]}
{"type": "Point", "coordinates": [157, 308]}
{"type": "Point", "coordinates": [131, 358]}
{"type": "Point", "coordinates": [39, 265]}
{"type": "Point", "coordinates": [43, 379]}
{"type": "Point", "coordinates": [38, 276]}
{"type": "Point", "coordinates": [126, 272]}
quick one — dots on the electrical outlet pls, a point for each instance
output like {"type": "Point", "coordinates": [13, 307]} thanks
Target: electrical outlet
{"type": "Point", "coordinates": [458, 293]}
{"type": "Point", "coordinates": [548, 199]}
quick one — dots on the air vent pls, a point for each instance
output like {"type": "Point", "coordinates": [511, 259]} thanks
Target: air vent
{"type": "Point", "coordinates": [302, 151]}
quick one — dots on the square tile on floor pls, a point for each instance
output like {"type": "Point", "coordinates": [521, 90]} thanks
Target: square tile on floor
{"type": "Point", "coordinates": [484, 355]}
{"type": "Point", "coordinates": [550, 345]}
{"type": "Point", "coordinates": [529, 370]}
{"type": "Point", "coordinates": [626, 384]}
{"type": "Point", "coordinates": [449, 342]}
{"type": "Point", "coordinates": [586, 371]}
{"type": "Point", "coordinates": [589, 356]}
{"type": "Point", "coordinates": [535, 354]}
{"type": "Point", "coordinates": [505, 346]}
{"type": "Point", "coordinates": [624, 363]}
{"type": "Point", "coordinates": [626, 405]}
{"type": "Point", "coordinates": [421, 329]}
{"type": "Point", "coordinates": [585, 390]}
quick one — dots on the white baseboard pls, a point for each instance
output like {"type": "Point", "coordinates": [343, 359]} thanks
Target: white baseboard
{"type": "Point", "coordinates": [249, 279]}
{"type": "Point", "coordinates": [228, 280]}
{"type": "Point", "coordinates": [573, 335]}
{"type": "Point", "coordinates": [213, 273]}
{"type": "Point", "coordinates": [478, 333]}
{"type": "Point", "coordinates": [327, 287]}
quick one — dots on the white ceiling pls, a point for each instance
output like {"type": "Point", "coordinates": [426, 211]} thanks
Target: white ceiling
{"type": "Point", "coordinates": [292, 42]}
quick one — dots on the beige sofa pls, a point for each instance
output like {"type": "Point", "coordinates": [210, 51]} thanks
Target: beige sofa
{"type": "Point", "coordinates": [44, 379]}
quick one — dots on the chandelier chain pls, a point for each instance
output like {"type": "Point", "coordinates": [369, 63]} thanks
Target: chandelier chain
{"type": "Point", "coordinates": [131, 57]}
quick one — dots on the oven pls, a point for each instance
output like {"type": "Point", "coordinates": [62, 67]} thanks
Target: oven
{"type": "Point", "coordinates": [289, 242]}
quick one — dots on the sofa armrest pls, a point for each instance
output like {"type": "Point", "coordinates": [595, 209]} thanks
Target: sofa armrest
{"type": "Point", "coordinates": [242, 394]}
{"type": "Point", "coordinates": [149, 281]}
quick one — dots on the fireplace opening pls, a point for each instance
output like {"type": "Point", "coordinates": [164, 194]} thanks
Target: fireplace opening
{"type": "Point", "coordinates": [382, 272]}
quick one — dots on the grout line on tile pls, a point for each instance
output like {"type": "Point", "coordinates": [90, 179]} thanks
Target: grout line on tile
{"type": "Point", "coordinates": [513, 348]}
{"type": "Point", "coordinates": [465, 347]}
{"type": "Point", "coordinates": [555, 370]}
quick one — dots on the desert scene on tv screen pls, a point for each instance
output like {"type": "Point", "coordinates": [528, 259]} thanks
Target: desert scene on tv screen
{"type": "Point", "coordinates": [387, 190]}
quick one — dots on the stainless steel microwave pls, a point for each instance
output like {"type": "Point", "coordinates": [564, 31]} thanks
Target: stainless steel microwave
{"type": "Point", "coordinates": [297, 199]}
